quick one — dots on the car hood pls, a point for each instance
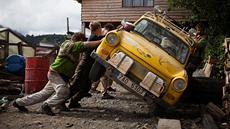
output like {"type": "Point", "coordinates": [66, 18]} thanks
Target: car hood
{"type": "Point", "coordinates": [151, 54]}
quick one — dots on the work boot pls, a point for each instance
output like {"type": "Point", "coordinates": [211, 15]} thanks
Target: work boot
{"type": "Point", "coordinates": [20, 108]}
{"type": "Point", "coordinates": [111, 89]}
{"type": "Point", "coordinates": [88, 95]}
{"type": "Point", "coordinates": [107, 96]}
{"type": "Point", "coordinates": [74, 104]}
{"type": "Point", "coordinates": [63, 107]}
{"type": "Point", "coordinates": [47, 110]}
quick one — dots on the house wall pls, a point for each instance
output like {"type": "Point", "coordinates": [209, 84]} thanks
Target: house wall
{"type": "Point", "coordinates": [112, 11]}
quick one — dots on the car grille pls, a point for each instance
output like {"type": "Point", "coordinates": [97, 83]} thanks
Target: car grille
{"type": "Point", "coordinates": [137, 68]}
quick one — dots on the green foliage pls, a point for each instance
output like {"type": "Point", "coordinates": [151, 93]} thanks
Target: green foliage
{"type": "Point", "coordinates": [216, 50]}
{"type": "Point", "coordinates": [216, 12]}
{"type": "Point", "coordinates": [44, 40]}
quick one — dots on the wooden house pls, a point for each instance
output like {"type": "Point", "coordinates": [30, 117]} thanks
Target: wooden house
{"type": "Point", "coordinates": [114, 11]}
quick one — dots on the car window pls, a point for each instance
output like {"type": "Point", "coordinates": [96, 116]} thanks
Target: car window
{"type": "Point", "coordinates": [162, 37]}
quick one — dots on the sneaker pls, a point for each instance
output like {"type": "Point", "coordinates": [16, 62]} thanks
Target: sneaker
{"type": "Point", "coordinates": [74, 104]}
{"type": "Point", "coordinates": [106, 96]}
{"type": "Point", "coordinates": [47, 110]}
{"type": "Point", "coordinates": [20, 108]}
{"type": "Point", "coordinates": [111, 89]}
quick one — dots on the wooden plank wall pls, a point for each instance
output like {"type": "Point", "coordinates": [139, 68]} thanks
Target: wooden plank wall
{"type": "Point", "coordinates": [112, 11]}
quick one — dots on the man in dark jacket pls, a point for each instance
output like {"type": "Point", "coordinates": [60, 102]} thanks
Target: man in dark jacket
{"type": "Point", "coordinates": [198, 50]}
{"type": "Point", "coordinates": [81, 84]}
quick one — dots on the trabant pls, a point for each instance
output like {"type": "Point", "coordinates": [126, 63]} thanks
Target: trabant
{"type": "Point", "coordinates": [148, 58]}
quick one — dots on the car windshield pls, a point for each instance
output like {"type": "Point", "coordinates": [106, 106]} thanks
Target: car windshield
{"type": "Point", "coordinates": [162, 37]}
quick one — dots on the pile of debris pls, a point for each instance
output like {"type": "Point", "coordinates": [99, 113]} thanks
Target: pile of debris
{"type": "Point", "coordinates": [226, 88]}
{"type": "Point", "coordinates": [222, 113]}
{"type": "Point", "coordinates": [10, 85]}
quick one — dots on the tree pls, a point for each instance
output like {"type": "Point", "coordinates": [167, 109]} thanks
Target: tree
{"type": "Point", "coordinates": [216, 13]}
{"type": "Point", "coordinates": [44, 40]}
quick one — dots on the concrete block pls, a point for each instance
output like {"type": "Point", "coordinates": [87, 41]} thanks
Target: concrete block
{"type": "Point", "coordinates": [169, 124]}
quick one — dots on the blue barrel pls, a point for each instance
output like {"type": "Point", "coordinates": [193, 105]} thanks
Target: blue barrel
{"type": "Point", "coordinates": [15, 64]}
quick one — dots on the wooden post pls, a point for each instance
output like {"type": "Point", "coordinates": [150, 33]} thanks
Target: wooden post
{"type": "Point", "coordinates": [20, 52]}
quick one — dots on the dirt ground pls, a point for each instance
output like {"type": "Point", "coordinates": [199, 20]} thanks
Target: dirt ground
{"type": "Point", "coordinates": [126, 111]}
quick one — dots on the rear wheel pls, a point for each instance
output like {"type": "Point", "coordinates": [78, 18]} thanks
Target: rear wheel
{"type": "Point", "coordinates": [96, 71]}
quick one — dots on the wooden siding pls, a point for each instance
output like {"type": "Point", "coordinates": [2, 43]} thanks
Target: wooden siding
{"type": "Point", "coordinates": [112, 11]}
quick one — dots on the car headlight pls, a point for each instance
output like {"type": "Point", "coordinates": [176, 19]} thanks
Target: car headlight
{"type": "Point", "coordinates": [179, 84]}
{"type": "Point", "coordinates": [112, 39]}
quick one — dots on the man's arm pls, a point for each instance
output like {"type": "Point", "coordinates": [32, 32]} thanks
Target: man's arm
{"type": "Point", "coordinates": [201, 42]}
{"type": "Point", "coordinates": [90, 44]}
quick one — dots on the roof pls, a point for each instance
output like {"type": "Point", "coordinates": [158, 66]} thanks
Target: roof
{"type": "Point", "coordinates": [46, 44]}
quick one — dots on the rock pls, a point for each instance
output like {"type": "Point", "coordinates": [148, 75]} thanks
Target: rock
{"type": "Point", "coordinates": [117, 119]}
{"type": "Point", "coordinates": [168, 124]}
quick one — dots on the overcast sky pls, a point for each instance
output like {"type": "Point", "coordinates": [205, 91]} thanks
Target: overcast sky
{"type": "Point", "coordinates": [39, 17]}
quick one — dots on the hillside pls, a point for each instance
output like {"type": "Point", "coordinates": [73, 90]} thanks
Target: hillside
{"type": "Point", "coordinates": [55, 39]}
{"type": "Point", "coordinates": [50, 38]}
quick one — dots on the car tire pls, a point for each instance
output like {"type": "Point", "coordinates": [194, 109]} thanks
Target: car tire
{"type": "Point", "coordinates": [96, 71]}
{"type": "Point", "coordinates": [205, 90]}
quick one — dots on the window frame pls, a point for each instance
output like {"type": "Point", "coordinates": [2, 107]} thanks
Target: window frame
{"type": "Point", "coordinates": [132, 3]}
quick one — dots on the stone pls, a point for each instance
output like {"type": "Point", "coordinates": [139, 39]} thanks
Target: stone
{"type": "Point", "coordinates": [169, 124]}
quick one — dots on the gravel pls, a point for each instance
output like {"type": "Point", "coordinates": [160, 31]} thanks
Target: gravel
{"type": "Point", "coordinates": [125, 111]}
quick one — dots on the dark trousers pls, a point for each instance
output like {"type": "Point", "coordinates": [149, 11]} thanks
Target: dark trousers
{"type": "Point", "coordinates": [192, 65]}
{"type": "Point", "coordinates": [80, 84]}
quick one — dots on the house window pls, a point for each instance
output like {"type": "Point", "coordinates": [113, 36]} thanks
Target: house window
{"type": "Point", "coordinates": [137, 3]}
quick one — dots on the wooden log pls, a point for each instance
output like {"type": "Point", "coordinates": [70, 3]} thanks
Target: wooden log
{"type": "Point", "coordinates": [215, 111]}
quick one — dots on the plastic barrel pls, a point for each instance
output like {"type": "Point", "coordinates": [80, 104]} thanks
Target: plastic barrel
{"type": "Point", "coordinates": [15, 64]}
{"type": "Point", "coordinates": [36, 74]}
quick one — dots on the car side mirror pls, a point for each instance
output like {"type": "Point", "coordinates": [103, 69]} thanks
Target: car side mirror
{"type": "Point", "coordinates": [192, 32]}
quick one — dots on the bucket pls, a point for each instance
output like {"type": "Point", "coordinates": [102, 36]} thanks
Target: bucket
{"type": "Point", "coordinates": [36, 74]}
{"type": "Point", "coordinates": [15, 64]}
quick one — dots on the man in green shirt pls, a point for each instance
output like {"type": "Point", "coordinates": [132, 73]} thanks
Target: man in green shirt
{"type": "Point", "coordinates": [198, 50]}
{"type": "Point", "coordinates": [56, 90]}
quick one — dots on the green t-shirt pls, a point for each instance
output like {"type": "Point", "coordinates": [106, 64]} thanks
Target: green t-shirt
{"type": "Point", "coordinates": [64, 65]}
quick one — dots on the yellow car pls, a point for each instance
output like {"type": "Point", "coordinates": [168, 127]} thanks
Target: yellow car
{"type": "Point", "coordinates": [147, 58]}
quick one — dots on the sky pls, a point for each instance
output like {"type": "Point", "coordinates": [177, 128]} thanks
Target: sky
{"type": "Point", "coordinates": [38, 17]}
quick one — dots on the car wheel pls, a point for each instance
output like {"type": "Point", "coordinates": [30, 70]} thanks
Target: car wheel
{"type": "Point", "coordinates": [96, 71]}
